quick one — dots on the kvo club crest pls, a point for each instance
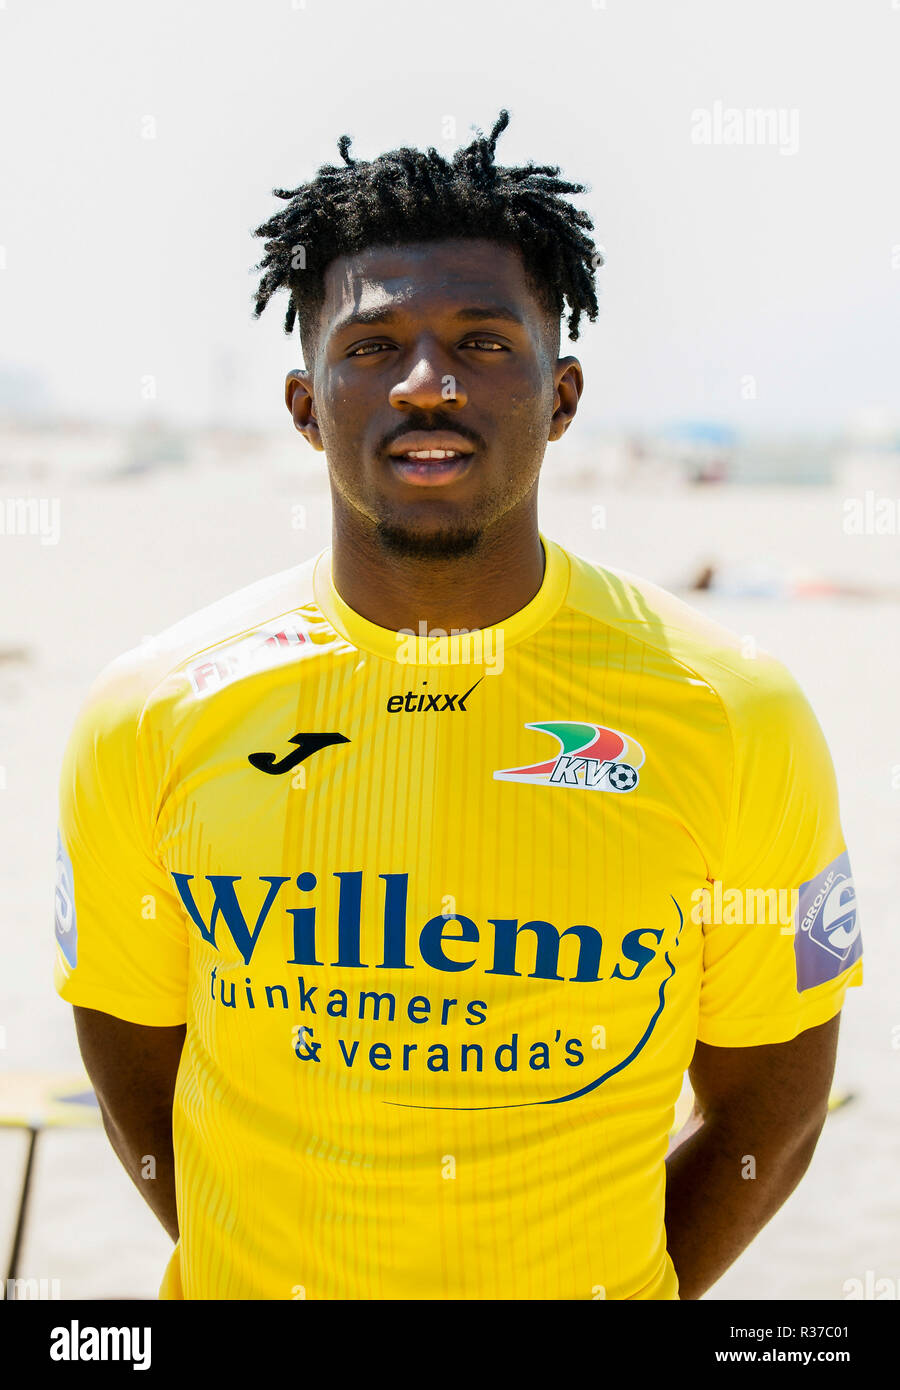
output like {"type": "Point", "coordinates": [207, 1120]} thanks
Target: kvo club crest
{"type": "Point", "coordinates": [589, 756]}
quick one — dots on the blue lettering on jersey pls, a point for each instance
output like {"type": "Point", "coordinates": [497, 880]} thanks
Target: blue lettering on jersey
{"type": "Point", "coordinates": [227, 907]}
{"type": "Point", "coordinates": [64, 904]}
{"type": "Point", "coordinates": [826, 939]}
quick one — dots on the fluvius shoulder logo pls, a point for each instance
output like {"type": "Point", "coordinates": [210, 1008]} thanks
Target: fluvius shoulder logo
{"type": "Point", "coordinates": [590, 757]}
{"type": "Point", "coordinates": [263, 647]}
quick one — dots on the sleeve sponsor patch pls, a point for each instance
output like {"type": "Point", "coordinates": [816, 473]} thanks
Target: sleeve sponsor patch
{"type": "Point", "coordinates": [64, 905]}
{"type": "Point", "coordinates": [827, 938]}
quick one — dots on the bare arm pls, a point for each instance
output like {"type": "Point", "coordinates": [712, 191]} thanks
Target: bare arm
{"type": "Point", "coordinates": [133, 1069]}
{"type": "Point", "coordinates": [758, 1115]}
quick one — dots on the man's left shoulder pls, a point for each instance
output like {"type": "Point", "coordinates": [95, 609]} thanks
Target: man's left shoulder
{"type": "Point", "coordinates": [704, 651]}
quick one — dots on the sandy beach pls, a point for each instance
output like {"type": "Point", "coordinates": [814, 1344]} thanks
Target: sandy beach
{"type": "Point", "coordinates": [136, 553]}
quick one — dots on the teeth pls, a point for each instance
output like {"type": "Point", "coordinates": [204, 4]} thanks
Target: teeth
{"type": "Point", "coordinates": [432, 454]}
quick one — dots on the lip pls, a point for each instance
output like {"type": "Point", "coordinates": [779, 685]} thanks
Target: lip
{"type": "Point", "coordinates": [430, 472]}
{"type": "Point", "coordinates": [430, 439]}
{"type": "Point", "coordinates": [434, 474]}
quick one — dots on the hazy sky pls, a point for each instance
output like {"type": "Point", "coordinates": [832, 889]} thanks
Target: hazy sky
{"type": "Point", "coordinates": [752, 283]}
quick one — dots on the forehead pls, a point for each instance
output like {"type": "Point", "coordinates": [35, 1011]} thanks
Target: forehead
{"type": "Point", "coordinates": [424, 278]}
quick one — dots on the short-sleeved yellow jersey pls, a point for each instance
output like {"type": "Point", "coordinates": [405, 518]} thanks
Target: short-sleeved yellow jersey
{"type": "Point", "coordinates": [445, 914]}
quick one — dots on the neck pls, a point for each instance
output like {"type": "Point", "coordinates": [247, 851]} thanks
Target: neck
{"type": "Point", "coordinates": [472, 591]}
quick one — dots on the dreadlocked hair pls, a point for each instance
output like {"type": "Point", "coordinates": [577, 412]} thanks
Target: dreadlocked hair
{"type": "Point", "coordinates": [409, 195]}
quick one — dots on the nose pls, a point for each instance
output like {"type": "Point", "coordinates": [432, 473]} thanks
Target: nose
{"type": "Point", "coordinates": [429, 383]}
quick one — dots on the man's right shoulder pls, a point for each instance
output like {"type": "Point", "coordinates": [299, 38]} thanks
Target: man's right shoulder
{"type": "Point", "coordinates": [275, 608]}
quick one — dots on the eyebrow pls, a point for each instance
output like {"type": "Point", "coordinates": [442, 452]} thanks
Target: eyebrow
{"type": "Point", "coordinates": [476, 312]}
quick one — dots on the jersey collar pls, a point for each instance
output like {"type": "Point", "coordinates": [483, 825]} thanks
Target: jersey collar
{"type": "Point", "coordinates": [436, 648]}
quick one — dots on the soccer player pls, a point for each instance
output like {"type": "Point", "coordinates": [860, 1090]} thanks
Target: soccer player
{"type": "Point", "coordinates": [397, 892]}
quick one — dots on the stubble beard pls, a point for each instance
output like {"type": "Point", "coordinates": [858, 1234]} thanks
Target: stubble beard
{"type": "Point", "coordinates": [449, 543]}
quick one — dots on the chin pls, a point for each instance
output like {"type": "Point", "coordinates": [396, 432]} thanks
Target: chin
{"type": "Point", "coordinates": [447, 543]}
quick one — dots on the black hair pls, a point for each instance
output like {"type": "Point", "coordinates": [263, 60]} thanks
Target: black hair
{"type": "Point", "coordinates": [408, 195]}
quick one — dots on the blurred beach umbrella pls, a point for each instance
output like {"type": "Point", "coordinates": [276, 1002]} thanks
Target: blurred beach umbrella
{"type": "Point", "coordinates": [704, 432]}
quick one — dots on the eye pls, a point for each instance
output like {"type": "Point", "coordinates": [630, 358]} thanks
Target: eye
{"type": "Point", "coordinates": [373, 349]}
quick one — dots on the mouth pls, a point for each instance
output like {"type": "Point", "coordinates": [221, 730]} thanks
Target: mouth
{"type": "Point", "coordinates": [431, 469]}
{"type": "Point", "coordinates": [429, 459]}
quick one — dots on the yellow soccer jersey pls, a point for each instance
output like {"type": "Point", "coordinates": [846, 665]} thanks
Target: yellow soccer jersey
{"type": "Point", "coordinates": [445, 915]}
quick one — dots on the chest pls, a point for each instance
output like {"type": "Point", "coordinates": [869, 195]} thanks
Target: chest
{"type": "Point", "coordinates": [483, 858]}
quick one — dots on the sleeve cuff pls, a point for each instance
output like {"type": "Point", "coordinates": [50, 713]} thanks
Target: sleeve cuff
{"type": "Point", "coordinates": [776, 1028]}
{"type": "Point", "coordinates": [154, 1013]}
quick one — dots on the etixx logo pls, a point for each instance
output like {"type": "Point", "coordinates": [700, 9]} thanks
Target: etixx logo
{"type": "Point", "coordinates": [589, 756]}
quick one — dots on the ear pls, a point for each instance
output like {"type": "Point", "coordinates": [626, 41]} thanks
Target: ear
{"type": "Point", "coordinates": [569, 384]}
{"type": "Point", "coordinates": [299, 399]}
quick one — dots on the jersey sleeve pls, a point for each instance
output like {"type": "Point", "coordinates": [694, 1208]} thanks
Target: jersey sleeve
{"type": "Point", "coordinates": [122, 945]}
{"type": "Point", "coordinates": [782, 943]}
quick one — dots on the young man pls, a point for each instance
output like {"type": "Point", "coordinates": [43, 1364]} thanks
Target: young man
{"type": "Point", "coordinates": [402, 888]}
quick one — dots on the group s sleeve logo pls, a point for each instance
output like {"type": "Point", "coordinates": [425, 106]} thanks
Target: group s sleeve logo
{"type": "Point", "coordinates": [827, 937]}
{"type": "Point", "coordinates": [64, 903]}
{"type": "Point", "coordinates": [590, 757]}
